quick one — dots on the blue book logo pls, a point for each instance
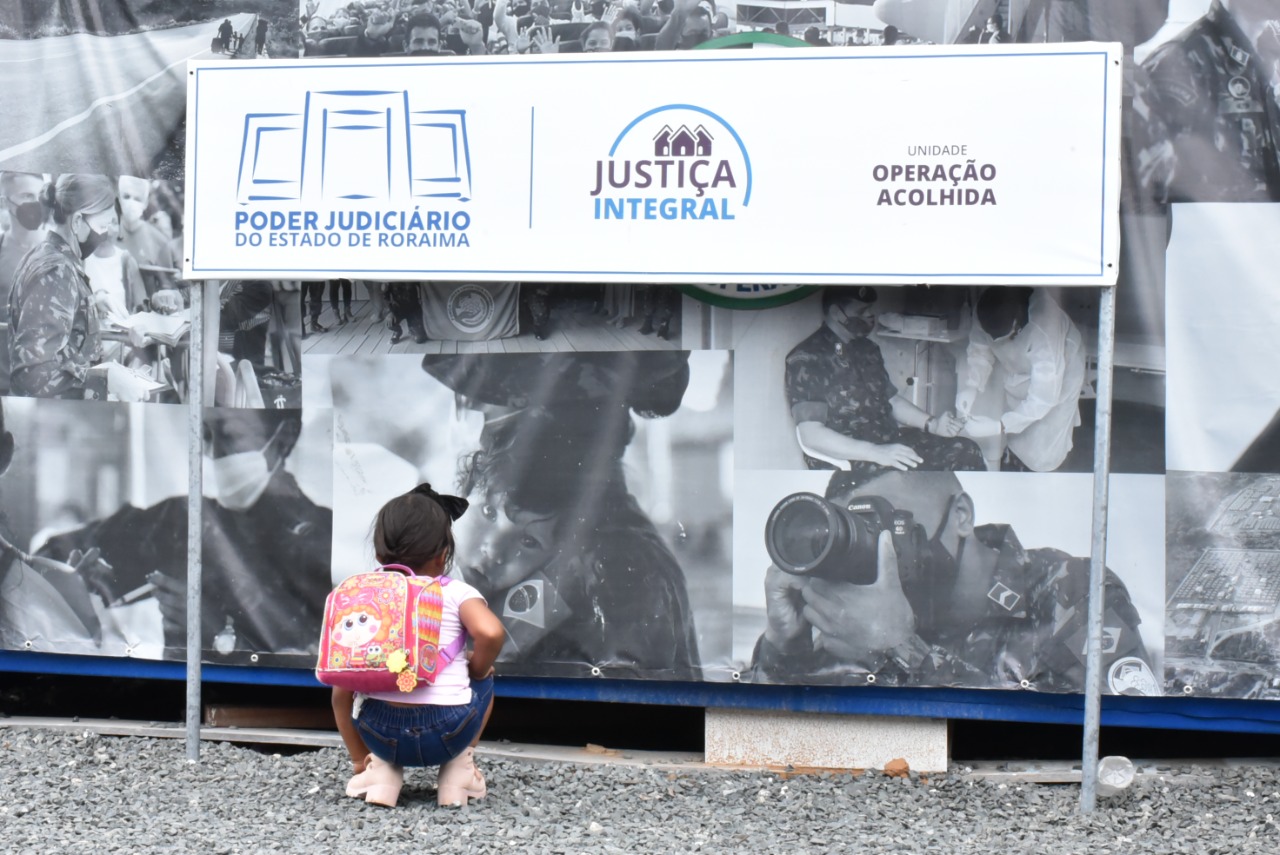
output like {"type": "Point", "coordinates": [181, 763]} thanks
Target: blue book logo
{"type": "Point", "coordinates": [355, 145]}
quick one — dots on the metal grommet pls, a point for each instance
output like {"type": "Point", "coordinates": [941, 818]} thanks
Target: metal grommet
{"type": "Point", "coordinates": [1186, 690]}
{"type": "Point", "coordinates": [253, 657]}
{"type": "Point", "coordinates": [595, 671]}
{"type": "Point", "coordinates": [735, 676]}
{"type": "Point", "coordinates": [1026, 684]}
{"type": "Point", "coordinates": [128, 651]}
{"type": "Point", "coordinates": [27, 644]}
{"type": "Point", "coordinates": [871, 678]}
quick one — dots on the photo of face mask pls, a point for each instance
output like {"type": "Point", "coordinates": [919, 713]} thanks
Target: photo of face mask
{"type": "Point", "coordinates": [29, 215]}
{"type": "Point", "coordinates": [131, 209]}
{"type": "Point", "coordinates": [92, 238]}
{"type": "Point", "coordinates": [239, 479]}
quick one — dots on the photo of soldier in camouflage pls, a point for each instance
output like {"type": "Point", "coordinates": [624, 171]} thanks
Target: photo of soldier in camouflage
{"type": "Point", "coordinates": [895, 579]}
{"type": "Point", "coordinates": [77, 303]}
{"type": "Point", "coordinates": [847, 411]}
{"type": "Point", "coordinates": [1205, 115]}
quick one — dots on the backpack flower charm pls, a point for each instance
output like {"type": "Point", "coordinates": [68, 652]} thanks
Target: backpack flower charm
{"type": "Point", "coordinates": [397, 661]}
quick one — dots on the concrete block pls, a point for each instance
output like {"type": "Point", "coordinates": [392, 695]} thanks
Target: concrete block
{"type": "Point", "coordinates": [822, 741]}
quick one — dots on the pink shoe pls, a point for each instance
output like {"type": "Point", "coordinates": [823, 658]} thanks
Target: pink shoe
{"type": "Point", "coordinates": [379, 783]}
{"type": "Point", "coordinates": [460, 781]}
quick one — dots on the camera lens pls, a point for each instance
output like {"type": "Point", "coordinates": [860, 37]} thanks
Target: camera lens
{"type": "Point", "coordinates": [802, 533]}
{"type": "Point", "coordinates": [808, 535]}
{"type": "Point", "coordinates": [805, 532]}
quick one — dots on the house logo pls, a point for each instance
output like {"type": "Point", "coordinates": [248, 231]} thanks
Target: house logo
{"type": "Point", "coordinates": [682, 142]}
{"type": "Point", "coordinates": [677, 162]}
{"type": "Point", "coordinates": [354, 145]}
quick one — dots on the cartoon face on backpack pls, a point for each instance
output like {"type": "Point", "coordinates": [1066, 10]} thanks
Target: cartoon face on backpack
{"type": "Point", "coordinates": [361, 628]}
{"type": "Point", "coordinates": [356, 629]}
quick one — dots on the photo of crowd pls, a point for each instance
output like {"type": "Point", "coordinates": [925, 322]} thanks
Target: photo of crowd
{"type": "Point", "coordinates": [93, 305]}
{"type": "Point", "coordinates": [464, 28]}
{"type": "Point", "coordinates": [346, 317]}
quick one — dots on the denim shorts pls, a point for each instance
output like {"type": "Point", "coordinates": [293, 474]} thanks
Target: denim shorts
{"type": "Point", "coordinates": [423, 734]}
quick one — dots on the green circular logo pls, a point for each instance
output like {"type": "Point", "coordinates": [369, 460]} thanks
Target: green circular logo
{"type": "Point", "coordinates": [756, 296]}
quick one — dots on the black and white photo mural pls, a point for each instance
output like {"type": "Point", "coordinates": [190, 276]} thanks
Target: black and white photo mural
{"type": "Point", "coordinates": [95, 526]}
{"type": "Point", "coordinates": [100, 85]}
{"type": "Point", "coordinates": [1223, 620]}
{"type": "Point", "coordinates": [880, 483]}
{"type": "Point", "coordinates": [600, 486]}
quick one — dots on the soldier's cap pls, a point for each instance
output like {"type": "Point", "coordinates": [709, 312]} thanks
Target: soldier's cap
{"type": "Point", "coordinates": [833, 295]}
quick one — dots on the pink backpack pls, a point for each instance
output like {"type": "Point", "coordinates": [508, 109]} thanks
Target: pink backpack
{"type": "Point", "coordinates": [381, 632]}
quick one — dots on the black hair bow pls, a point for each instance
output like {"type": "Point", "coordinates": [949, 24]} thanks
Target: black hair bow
{"type": "Point", "coordinates": [454, 506]}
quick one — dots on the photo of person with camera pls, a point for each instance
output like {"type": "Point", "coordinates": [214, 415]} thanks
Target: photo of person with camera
{"type": "Point", "coordinates": [895, 579]}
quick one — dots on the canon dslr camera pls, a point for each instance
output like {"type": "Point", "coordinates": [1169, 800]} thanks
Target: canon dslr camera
{"type": "Point", "coordinates": [807, 535]}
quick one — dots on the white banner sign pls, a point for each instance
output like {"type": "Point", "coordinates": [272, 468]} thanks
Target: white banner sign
{"type": "Point", "coordinates": [977, 165]}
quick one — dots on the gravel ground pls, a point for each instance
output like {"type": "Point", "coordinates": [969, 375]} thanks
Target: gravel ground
{"type": "Point", "coordinates": [85, 793]}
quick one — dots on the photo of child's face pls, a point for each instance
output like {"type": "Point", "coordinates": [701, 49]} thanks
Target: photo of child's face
{"type": "Point", "coordinates": [501, 543]}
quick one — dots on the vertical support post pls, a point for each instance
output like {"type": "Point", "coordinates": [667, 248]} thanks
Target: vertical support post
{"type": "Point", "coordinates": [195, 515]}
{"type": "Point", "coordinates": [1098, 555]}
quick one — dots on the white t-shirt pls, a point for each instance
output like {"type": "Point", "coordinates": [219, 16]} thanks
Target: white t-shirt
{"type": "Point", "coordinates": [107, 274]}
{"type": "Point", "coordinates": [453, 685]}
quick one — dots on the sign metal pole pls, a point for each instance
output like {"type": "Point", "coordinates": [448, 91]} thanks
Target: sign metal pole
{"type": "Point", "coordinates": [195, 508]}
{"type": "Point", "coordinates": [1098, 556]}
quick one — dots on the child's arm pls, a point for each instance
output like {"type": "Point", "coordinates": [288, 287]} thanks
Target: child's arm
{"type": "Point", "coordinates": [487, 636]}
{"type": "Point", "coordinates": [342, 704]}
